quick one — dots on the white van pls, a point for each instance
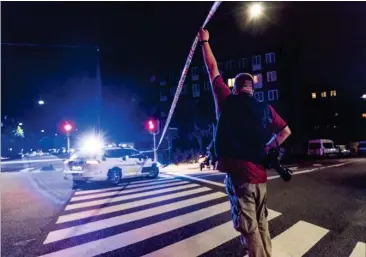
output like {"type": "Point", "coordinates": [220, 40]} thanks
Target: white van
{"type": "Point", "coordinates": [321, 147]}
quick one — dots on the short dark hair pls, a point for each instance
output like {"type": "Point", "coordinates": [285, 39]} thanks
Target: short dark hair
{"type": "Point", "coordinates": [241, 78]}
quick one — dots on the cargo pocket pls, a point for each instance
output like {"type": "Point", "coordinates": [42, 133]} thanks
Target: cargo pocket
{"type": "Point", "coordinates": [243, 210]}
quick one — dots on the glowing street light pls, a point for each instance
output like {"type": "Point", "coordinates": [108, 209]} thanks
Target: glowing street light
{"type": "Point", "coordinates": [42, 130]}
{"type": "Point", "coordinates": [255, 10]}
{"type": "Point", "coordinates": [41, 102]}
{"type": "Point", "coordinates": [20, 124]}
{"type": "Point", "coordinates": [363, 96]}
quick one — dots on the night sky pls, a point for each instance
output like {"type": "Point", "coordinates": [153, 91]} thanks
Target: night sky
{"type": "Point", "coordinates": [138, 39]}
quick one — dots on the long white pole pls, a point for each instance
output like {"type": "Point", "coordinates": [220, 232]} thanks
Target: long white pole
{"type": "Point", "coordinates": [155, 156]}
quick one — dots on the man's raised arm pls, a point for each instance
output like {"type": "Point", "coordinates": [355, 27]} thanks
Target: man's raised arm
{"type": "Point", "coordinates": [219, 88]}
{"type": "Point", "coordinates": [209, 58]}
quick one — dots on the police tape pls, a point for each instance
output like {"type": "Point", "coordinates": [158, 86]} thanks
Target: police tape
{"type": "Point", "coordinates": [185, 72]}
{"type": "Point", "coordinates": [151, 151]}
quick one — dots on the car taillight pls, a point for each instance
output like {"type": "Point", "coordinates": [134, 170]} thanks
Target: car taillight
{"type": "Point", "coordinates": [92, 162]}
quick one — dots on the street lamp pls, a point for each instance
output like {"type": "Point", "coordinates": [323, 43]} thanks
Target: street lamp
{"type": "Point", "coordinates": [363, 96]}
{"type": "Point", "coordinates": [42, 130]}
{"type": "Point", "coordinates": [41, 102]}
{"type": "Point", "coordinates": [20, 124]}
{"type": "Point", "coordinates": [255, 10]}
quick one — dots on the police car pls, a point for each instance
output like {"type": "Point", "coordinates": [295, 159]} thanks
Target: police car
{"type": "Point", "coordinates": [110, 164]}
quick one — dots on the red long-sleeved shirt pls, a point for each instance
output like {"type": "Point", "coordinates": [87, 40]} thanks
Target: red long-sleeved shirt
{"type": "Point", "coordinates": [244, 170]}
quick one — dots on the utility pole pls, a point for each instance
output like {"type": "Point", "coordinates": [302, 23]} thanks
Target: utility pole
{"type": "Point", "coordinates": [155, 155]}
{"type": "Point", "coordinates": [68, 142]}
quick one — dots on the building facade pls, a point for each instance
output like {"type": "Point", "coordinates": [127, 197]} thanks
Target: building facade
{"type": "Point", "coordinates": [196, 106]}
{"type": "Point", "coordinates": [336, 113]}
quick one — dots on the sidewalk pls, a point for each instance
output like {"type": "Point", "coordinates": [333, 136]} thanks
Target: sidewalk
{"type": "Point", "coordinates": [187, 168]}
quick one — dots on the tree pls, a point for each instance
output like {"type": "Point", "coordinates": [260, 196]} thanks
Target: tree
{"type": "Point", "coordinates": [18, 132]}
{"type": "Point", "coordinates": [201, 134]}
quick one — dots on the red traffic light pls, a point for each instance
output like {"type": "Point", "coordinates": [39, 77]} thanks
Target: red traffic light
{"type": "Point", "coordinates": [67, 127]}
{"type": "Point", "coordinates": [153, 126]}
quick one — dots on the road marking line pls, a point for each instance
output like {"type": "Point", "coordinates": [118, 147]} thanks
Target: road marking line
{"type": "Point", "coordinates": [359, 250]}
{"type": "Point", "coordinates": [27, 169]}
{"type": "Point", "coordinates": [121, 207]}
{"type": "Point", "coordinates": [213, 174]}
{"type": "Point", "coordinates": [203, 242]}
{"type": "Point", "coordinates": [123, 219]}
{"type": "Point", "coordinates": [147, 180]}
{"type": "Point", "coordinates": [116, 193]}
{"type": "Point", "coordinates": [133, 236]}
{"type": "Point", "coordinates": [197, 179]}
{"type": "Point", "coordinates": [128, 197]}
{"type": "Point", "coordinates": [269, 178]}
{"type": "Point", "coordinates": [297, 240]}
{"type": "Point", "coordinates": [85, 192]}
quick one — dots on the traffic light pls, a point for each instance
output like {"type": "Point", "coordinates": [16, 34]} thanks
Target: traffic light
{"type": "Point", "coordinates": [153, 126]}
{"type": "Point", "coordinates": [67, 127]}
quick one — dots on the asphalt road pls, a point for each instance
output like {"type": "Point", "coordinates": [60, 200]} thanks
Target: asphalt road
{"type": "Point", "coordinates": [321, 212]}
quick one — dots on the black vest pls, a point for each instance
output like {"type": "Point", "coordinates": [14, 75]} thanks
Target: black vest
{"type": "Point", "coordinates": [243, 129]}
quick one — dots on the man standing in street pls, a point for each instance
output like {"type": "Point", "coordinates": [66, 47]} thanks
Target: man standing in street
{"type": "Point", "coordinates": [245, 126]}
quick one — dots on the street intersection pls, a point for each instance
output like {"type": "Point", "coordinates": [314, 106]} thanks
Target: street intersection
{"type": "Point", "coordinates": [185, 212]}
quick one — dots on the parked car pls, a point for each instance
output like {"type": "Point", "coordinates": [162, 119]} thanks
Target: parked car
{"type": "Point", "coordinates": [322, 147]}
{"type": "Point", "coordinates": [109, 164]}
{"type": "Point", "coordinates": [343, 150]}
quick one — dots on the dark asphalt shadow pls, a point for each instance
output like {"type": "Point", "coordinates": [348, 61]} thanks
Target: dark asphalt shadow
{"type": "Point", "coordinates": [352, 181]}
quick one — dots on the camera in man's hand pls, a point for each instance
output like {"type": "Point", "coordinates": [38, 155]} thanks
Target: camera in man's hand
{"type": "Point", "coordinates": [272, 161]}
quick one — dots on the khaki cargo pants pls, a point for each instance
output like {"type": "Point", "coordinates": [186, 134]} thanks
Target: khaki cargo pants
{"type": "Point", "coordinates": [249, 213]}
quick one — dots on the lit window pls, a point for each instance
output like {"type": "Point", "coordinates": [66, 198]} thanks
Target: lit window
{"type": "Point", "coordinates": [259, 96]}
{"type": "Point", "coordinates": [364, 115]}
{"type": "Point", "coordinates": [230, 82]}
{"type": "Point", "coordinates": [313, 95]}
{"type": "Point", "coordinates": [256, 62]}
{"type": "Point", "coordinates": [270, 58]}
{"type": "Point", "coordinates": [271, 76]}
{"type": "Point", "coordinates": [257, 79]}
{"type": "Point", "coordinates": [323, 94]}
{"type": "Point", "coordinates": [333, 93]}
{"type": "Point", "coordinates": [272, 95]}
{"type": "Point", "coordinates": [196, 90]}
{"type": "Point", "coordinates": [195, 73]}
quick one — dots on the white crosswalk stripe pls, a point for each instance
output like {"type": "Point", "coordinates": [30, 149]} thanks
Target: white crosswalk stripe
{"type": "Point", "coordinates": [359, 250]}
{"type": "Point", "coordinates": [104, 220]}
